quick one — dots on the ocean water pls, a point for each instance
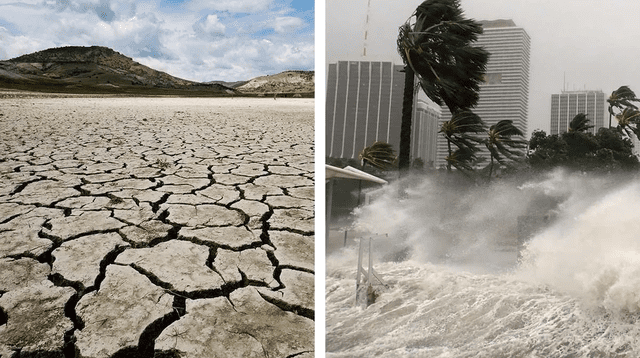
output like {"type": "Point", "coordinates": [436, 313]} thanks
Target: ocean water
{"type": "Point", "coordinates": [456, 285]}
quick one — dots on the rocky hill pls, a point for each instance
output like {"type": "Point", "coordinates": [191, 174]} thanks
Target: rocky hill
{"type": "Point", "coordinates": [93, 69]}
{"type": "Point", "coordinates": [282, 83]}
{"type": "Point", "coordinates": [98, 69]}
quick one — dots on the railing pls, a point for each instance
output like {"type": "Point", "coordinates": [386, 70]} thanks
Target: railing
{"type": "Point", "coordinates": [366, 293]}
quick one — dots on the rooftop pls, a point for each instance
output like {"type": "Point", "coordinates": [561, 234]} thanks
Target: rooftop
{"type": "Point", "coordinates": [487, 24]}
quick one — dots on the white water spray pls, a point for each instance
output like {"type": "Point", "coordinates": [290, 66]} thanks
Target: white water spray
{"type": "Point", "coordinates": [457, 288]}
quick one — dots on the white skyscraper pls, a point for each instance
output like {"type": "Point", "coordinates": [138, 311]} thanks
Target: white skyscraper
{"type": "Point", "coordinates": [566, 105]}
{"type": "Point", "coordinates": [505, 93]}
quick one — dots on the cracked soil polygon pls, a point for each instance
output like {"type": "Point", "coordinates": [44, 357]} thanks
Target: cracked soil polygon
{"type": "Point", "coordinates": [242, 326]}
{"type": "Point", "coordinates": [232, 237]}
{"type": "Point", "coordinates": [36, 319]}
{"type": "Point", "coordinates": [79, 260]}
{"type": "Point", "coordinates": [181, 264]}
{"type": "Point", "coordinates": [115, 316]}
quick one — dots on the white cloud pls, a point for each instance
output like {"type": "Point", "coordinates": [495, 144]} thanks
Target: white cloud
{"type": "Point", "coordinates": [13, 46]}
{"type": "Point", "coordinates": [287, 24]}
{"type": "Point", "coordinates": [203, 45]}
{"type": "Point", "coordinates": [130, 28]}
{"type": "Point", "coordinates": [235, 6]}
{"type": "Point", "coordinates": [213, 25]}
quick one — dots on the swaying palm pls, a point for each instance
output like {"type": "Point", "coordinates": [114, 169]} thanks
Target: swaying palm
{"type": "Point", "coordinates": [380, 155]}
{"type": "Point", "coordinates": [458, 131]}
{"type": "Point", "coordinates": [629, 121]}
{"type": "Point", "coordinates": [579, 123]}
{"type": "Point", "coordinates": [501, 144]}
{"type": "Point", "coordinates": [438, 47]}
{"type": "Point", "coordinates": [435, 45]}
{"type": "Point", "coordinates": [462, 159]}
{"type": "Point", "coordinates": [620, 99]}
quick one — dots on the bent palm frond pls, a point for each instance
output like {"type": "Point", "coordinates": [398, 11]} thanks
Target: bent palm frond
{"type": "Point", "coordinates": [437, 43]}
{"type": "Point", "coordinates": [579, 123]}
{"type": "Point", "coordinates": [629, 121]}
{"type": "Point", "coordinates": [380, 155]}
{"type": "Point", "coordinates": [501, 142]}
{"type": "Point", "coordinates": [621, 98]}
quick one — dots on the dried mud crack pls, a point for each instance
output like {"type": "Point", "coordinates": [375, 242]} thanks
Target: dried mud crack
{"type": "Point", "coordinates": [156, 227]}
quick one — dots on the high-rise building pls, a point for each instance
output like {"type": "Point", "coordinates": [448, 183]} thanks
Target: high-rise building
{"type": "Point", "coordinates": [566, 105]}
{"type": "Point", "coordinates": [424, 131]}
{"type": "Point", "coordinates": [364, 105]}
{"type": "Point", "coordinates": [505, 92]}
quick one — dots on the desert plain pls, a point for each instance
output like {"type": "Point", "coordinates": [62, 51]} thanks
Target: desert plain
{"type": "Point", "coordinates": [156, 227]}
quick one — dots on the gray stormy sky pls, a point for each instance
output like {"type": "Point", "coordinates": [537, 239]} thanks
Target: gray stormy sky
{"type": "Point", "coordinates": [593, 42]}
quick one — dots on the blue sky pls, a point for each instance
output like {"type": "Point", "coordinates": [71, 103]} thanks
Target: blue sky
{"type": "Point", "coordinates": [201, 40]}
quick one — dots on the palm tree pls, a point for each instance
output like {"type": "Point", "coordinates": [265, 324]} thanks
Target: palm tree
{"type": "Point", "coordinates": [458, 131]}
{"type": "Point", "coordinates": [502, 145]}
{"type": "Point", "coordinates": [620, 99]}
{"type": "Point", "coordinates": [629, 121]}
{"type": "Point", "coordinates": [579, 123]}
{"type": "Point", "coordinates": [436, 46]}
{"type": "Point", "coordinates": [462, 159]}
{"type": "Point", "coordinates": [379, 155]}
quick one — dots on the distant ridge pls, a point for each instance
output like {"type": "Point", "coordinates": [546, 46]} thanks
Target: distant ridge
{"type": "Point", "coordinates": [94, 69]}
{"type": "Point", "coordinates": [70, 54]}
{"type": "Point", "coordinates": [228, 84]}
{"type": "Point", "coordinates": [98, 69]}
{"type": "Point", "coordinates": [285, 82]}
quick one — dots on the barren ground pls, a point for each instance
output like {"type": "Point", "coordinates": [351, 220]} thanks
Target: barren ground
{"type": "Point", "coordinates": [167, 227]}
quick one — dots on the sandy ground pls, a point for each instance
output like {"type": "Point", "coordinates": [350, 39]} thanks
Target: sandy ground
{"type": "Point", "coordinates": [173, 227]}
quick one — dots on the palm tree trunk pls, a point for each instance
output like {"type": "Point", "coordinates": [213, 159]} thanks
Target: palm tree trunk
{"type": "Point", "coordinates": [404, 155]}
{"type": "Point", "coordinates": [491, 167]}
{"type": "Point", "coordinates": [449, 162]}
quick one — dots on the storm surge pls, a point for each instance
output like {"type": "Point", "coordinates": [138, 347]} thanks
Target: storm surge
{"type": "Point", "coordinates": [463, 279]}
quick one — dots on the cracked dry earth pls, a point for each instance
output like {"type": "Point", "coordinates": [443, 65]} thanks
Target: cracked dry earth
{"type": "Point", "coordinates": [156, 227]}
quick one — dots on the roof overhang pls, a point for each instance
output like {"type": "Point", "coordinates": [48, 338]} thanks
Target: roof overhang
{"type": "Point", "coordinates": [351, 173]}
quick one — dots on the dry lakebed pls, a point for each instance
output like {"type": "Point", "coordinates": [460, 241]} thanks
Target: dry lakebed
{"type": "Point", "coordinates": [156, 227]}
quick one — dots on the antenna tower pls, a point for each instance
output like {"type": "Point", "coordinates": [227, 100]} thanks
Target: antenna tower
{"type": "Point", "coordinates": [366, 29]}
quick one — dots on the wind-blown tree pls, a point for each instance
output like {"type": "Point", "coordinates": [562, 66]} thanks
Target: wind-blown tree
{"type": "Point", "coordinates": [547, 151]}
{"type": "Point", "coordinates": [629, 121]}
{"type": "Point", "coordinates": [436, 46]}
{"type": "Point", "coordinates": [503, 143]}
{"type": "Point", "coordinates": [579, 123]}
{"type": "Point", "coordinates": [609, 150]}
{"type": "Point", "coordinates": [459, 132]}
{"type": "Point", "coordinates": [616, 149]}
{"type": "Point", "coordinates": [379, 155]}
{"type": "Point", "coordinates": [621, 98]}
{"type": "Point", "coordinates": [462, 159]}
{"type": "Point", "coordinates": [582, 143]}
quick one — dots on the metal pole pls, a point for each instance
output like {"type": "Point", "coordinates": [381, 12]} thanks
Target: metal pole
{"type": "Point", "coordinates": [359, 264]}
{"type": "Point", "coordinates": [329, 195]}
{"type": "Point", "coordinates": [370, 270]}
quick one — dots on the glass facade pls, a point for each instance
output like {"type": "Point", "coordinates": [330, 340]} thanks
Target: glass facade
{"type": "Point", "coordinates": [364, 105]}
{"type": "Point", "coordinates": [424, 132]}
